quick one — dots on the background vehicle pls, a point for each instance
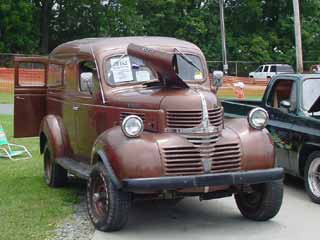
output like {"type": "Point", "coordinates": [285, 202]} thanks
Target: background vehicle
{"type": "Point", "coordinates": [137, 117]}
{"type": "Point", "coordinates": [293, 104]}
{"type": "Point", "coordinates": [269, 70]}
{"type": "Point", "coordinates": [315, 68]}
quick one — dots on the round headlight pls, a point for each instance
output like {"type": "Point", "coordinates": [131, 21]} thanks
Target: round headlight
{"type": "Point", "coordinates": [258, 118]}
{"type": "Point", "coordinates": [132, 126]}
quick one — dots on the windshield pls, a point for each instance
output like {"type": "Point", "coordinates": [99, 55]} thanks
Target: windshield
{"type": "Point", "coordinates": [189, 67]}
{"type": "Point", "coordinates": [127, 69]}
{"type": "Point", "coordinates": [310, 92]}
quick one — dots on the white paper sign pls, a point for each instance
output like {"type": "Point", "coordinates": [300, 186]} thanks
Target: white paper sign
{"type": "Point", "coordinates": [121, 69]}
{"type": "Point", "coordinates": [142, 76]}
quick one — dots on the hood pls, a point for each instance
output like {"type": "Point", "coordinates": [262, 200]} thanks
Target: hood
{"type": "Point", "coordinates": [161, 98]}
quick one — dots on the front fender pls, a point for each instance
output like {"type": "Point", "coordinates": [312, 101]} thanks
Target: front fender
{"type": "Point", "coordinates": [129, 157]}
{"type": "Point", "coordinates": [52, 130]}
{"type": "Point", "coordinates": [257, 145]}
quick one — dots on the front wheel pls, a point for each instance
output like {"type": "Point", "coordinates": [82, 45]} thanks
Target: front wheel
{"type": "Point", "coordinates": [262, 203]}
{"type": "Point", "coordinates": [108, 206]}
{"type": "Point", "coordinates": [312, 177]}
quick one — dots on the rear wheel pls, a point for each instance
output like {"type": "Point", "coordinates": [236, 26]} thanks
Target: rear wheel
{"type": "Point", "coordinates": [262, 203]}
{"type": "Point", "coordinates": [54, 174]}
{"type": "Point", "coordinates": [312, 177]}
{"type": "Point", "coordinates": [108, 206]}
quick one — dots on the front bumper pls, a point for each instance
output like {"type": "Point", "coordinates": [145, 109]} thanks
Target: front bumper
{"type": "Point", "coordinates": [218, 179]}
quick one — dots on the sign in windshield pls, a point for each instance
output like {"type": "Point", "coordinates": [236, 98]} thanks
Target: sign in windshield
{"type": "Point", "coordinates": [128, 69]}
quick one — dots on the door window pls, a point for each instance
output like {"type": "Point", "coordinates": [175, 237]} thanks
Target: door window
{"type": "Point", "coordinates": [31, 74]}
{"type": "Point", "coordinates": [273, 69]}
{"type": "Point", "coordinates": [266, 68]}
{"type": "Point", "coordinates": [283, 90]}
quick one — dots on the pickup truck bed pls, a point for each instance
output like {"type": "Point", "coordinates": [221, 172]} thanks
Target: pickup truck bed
{"type": "Point", "coordinates": [239, 108]}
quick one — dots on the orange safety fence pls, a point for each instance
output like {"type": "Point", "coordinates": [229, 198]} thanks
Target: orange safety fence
{"type": "Point", "coordinates": [6, 80]}
{"type": "Point", "coordinates": [35, 77]}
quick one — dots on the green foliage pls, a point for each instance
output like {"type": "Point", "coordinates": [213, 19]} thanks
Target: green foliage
{"type": "Point", "coordinates": [260, 31]}
{"type": "Point", "coordinates": [17, 32]}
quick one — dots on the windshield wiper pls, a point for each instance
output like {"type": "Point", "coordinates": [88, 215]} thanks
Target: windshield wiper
{"type": "Point", "coordinates": [187, 59]}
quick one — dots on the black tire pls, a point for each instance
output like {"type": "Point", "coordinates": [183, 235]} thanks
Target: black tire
{"type": "Point", "coordinates": [312, 181]}
{"type": "Point", "coordinates": [55, 175]}
{"type": "Point", "coordinates": [108, 206]}
{"type": "Point", "coordinates": [263, 203]}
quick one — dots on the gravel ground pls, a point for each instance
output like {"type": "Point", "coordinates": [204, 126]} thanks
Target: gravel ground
{"type": "Point", "coordinates": [77, 226]}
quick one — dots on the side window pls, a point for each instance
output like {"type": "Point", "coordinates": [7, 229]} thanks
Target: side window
{"type": "Point", "coordinates": [282, 90]}
{"type": "Point", "coordinates": [266, 68]}
{"type": "Point", "coordinates": [31, 74]}
{"type": "Point", "coordinates": [273, 69]}
{"type": "Point", "coordinates": [87, 76]}
{"type": "Point", "coordinates": [55, 75]}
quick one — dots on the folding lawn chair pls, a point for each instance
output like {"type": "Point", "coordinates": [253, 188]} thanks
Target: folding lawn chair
{"type": "Point", "coordinates": [12, 151]}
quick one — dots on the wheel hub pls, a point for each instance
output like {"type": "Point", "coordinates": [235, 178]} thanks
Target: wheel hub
{"type": "Point", "coordinates": [100, 199]}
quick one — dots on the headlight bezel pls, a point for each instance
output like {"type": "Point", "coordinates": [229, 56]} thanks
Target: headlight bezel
{"type": "Point", "coordinates": [251, 121]}
{"type": "Point", "coordinates": [126, 120]}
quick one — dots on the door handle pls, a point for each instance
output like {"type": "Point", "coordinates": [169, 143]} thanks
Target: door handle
{"type": "Point", "coordinates": [19, 98]}
{"type": "Point", "coordinates": [75, 108]}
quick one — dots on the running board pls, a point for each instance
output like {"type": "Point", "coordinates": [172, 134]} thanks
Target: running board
{"type": "Point", "coordinates": [81, 170]}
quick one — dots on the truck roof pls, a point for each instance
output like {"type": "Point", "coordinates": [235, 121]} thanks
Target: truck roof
{"type": "Point", "coordinates": [108, 43]}
{"type": "Point", "coordinates": [299, 76]}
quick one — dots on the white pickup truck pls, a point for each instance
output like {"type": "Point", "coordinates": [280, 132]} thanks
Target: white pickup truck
{"type": "Point", "coordinates": [269, 70]}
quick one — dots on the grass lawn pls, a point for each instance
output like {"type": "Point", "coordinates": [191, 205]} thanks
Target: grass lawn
{"type": "Point", "coordinates": [6, 98]}
{"type": "Point", "coordinates": [28, 208]}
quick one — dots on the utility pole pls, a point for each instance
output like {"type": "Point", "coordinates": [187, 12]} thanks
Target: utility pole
{"type": "Point", "coordinates": [297, 30]}
{"type": "Point", "coordinates": [223, 37]}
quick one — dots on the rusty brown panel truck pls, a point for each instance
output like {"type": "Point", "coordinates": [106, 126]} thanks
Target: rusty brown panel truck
{"type": "Point", "coordinates": [138, 118]}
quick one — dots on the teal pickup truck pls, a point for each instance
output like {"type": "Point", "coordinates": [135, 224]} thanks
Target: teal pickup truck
{"type": "Point", "coordinates": [293, 104]}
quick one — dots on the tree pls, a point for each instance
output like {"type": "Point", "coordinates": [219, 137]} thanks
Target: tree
{"type": "Point", "coordinates": [44, 15]}
{"type": "Point", "coordinates": [17, 33]}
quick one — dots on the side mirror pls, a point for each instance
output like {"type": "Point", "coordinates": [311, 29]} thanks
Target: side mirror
{"type": "Point", "coordinates": [86, 81]}
{"type": "Point", "coordinates": [217, 78]}
{"type": "Point", "coordinates": [285, 105]}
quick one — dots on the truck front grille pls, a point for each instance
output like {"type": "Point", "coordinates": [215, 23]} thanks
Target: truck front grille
{"type": "Point", "coordinates": [205, 156]}
{"type": "Point", "coordinates": [190, 119]}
